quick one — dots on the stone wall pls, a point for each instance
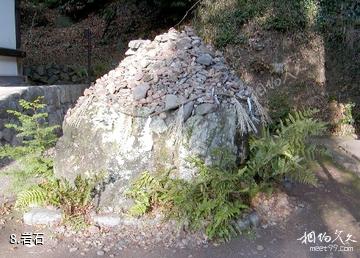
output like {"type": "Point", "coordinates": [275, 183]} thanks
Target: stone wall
{"type": "Point", "coordinates": [59, 98]}
{"type": "Point", "coordinates": [55, 74]}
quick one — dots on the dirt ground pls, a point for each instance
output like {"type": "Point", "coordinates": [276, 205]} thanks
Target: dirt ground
{"type": "Point", "coordinates": [331, 207]}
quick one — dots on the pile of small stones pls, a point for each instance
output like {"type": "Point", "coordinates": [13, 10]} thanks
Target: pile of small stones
{"type": "Point", "coordinates": [173, 69]}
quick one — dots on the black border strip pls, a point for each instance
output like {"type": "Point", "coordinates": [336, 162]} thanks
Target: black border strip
{"type": "Point", "coordinates": [17, 23]}
{"type": "Point", "coordinates": [12, 52]}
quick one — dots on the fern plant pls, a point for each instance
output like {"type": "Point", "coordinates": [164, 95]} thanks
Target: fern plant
{"type": "Point", "coordinates": [287, 152]}
{"type": "Point", "coordinates": [211, 201]}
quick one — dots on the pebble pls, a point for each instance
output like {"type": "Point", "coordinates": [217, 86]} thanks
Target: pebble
{"type": "Point", "coordinates": [171, 101]}
{"type": "Point", "coordinates": [260, 248]}
{"type": "Point", "coordinates": [42, 216]}
{"type": "Point", "coordinates": [204, 59]}
{"type": "Point", "coordinates": [139, 92]}
{"type": "Point", "coordinates": [73, 249]}
{"type": "Point", "coordinates": [100, 253]}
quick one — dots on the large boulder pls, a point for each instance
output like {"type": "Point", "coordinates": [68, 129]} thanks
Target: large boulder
{"type": "Point", "coordinates": [168, 100]}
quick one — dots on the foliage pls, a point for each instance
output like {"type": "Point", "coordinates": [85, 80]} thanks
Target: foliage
{"type": "Point", "coordinates": [279, 106]}
{"type": "Point", "coordinates": [287, 152]}
{"type": "Point", "coordinates": [348, 114]}
{"type": "Point", "coordinates": [74, 200]}
{"type": "Point", "coordinates": [221, 192]}
{"type": "Point", "coordinates": [334, 15]}
{"type": "Point", "coordinates": [33, 177]}
{"type": "Point", "coordinates": [220, 21]}
{"type": "Point", "coordinates": [212, 200]}
{"type": "Point", "coordinates": [37, 136]}
{"type": "Point", "coordinates": [292, 15]}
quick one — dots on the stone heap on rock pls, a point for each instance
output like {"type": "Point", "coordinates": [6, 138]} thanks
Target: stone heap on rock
{"type": "Point", "coordinates": [170, 99]}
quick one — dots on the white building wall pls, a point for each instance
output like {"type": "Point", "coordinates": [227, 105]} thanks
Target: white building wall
{"type": "Point", "coordinates": [8, 65]}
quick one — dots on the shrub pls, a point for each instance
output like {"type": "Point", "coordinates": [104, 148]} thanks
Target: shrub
{"type": "Point", "coordinates": [221, 192]}
{"type": "Point", "coordinates": [37, 137]}
{"type": "Point", "coordinates": [33, 178]}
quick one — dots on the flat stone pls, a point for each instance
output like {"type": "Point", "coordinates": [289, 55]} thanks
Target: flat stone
{"type": "Point", "coordinates": [42, 216]}
{"type": "Point", "coordinates": [352, 147]}
{"type": "Point", "coordinates": [147, 78]}
{"type": "Point", "coordinates": [205, 108]}
{"type": "Point", "coordinates": [171, 101]}
{"type": "Point", "coordinates": [107, 220]}
{"type": "Point", "coordinates": [135, 44]}
{"type": "Point", "coordinates": [204, 59]}
{"type": "Point", "coordinates": [130, 52]}
{"type": "Point", "coordinates": [140, 91]}
{"type": "Point", "coordinates": [187, 110]}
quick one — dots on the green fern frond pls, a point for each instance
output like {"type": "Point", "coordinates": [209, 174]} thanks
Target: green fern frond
{"type": "Point", "coordinates": [32, 196]}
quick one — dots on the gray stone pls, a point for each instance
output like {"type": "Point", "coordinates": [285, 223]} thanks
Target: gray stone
{"type": "Point", "coordinates": [42, 216]}
{"type": "Point", "coordinates": [277, 68]}
{"type": "Point", "coordinates": [204, 59]}
{"type": "Point", "coordinates": [205, 108]}
{"type": "Point", "coordinates": [243, 224]}
{"type": "Point", "coordinates": [184, 43]}
{"type": "Point", "coordinates": [258, 46]}
{"type": "Point", "coordinates": [135, 44]}
{"type": "Point", "coordinates": [74, 78]}
{"type": "Point", "coordinates": [107, 220]}
{"type": "Point", "coordinates": [352, 147]}
{"type": "Point", "coordinates": [171, 101]}
{"type": "Point", "coordinates": [147, 78]}
{"type": "Point", "coordinates": [254, 219]}
{"type": "Point", "coordinates": [7, 134]}
{"type": "Point", "coordinates": [259, 247]}
{"type": "Point", "coordinates": [100, 252]}
{"type": "Point", "coordinates": [196, 42]}
{"type": "Point", "coordinates": [140, 91]}
{"type": "Point", "coordinates": [158, 125]}
{"type": "Point", "coordinates": [40, 70]}
{"type": "Point", "coordinates": [127, 139]}
{"type": "Point", "coordinates": [130, 52]}
{"type": "Point", "coordinates": [187, 110]}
